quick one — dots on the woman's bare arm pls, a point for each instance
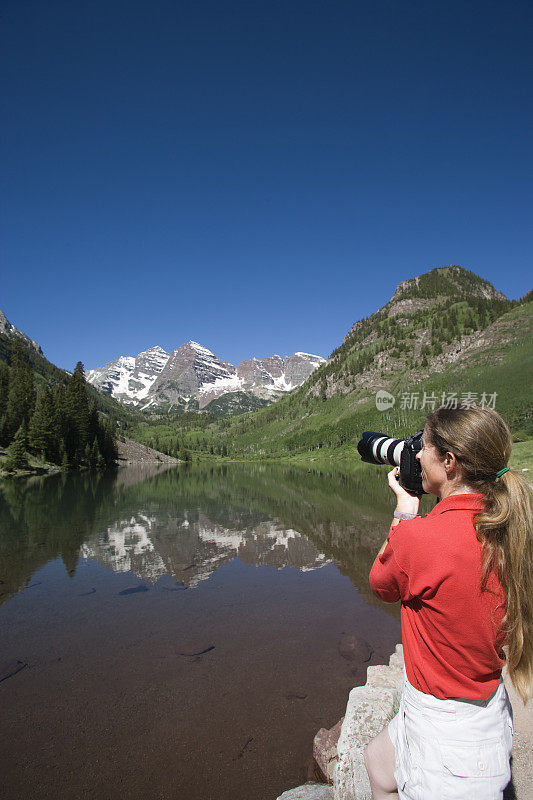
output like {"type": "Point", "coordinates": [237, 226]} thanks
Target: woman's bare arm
{"type": "Point", "coordinates": [405, 502]}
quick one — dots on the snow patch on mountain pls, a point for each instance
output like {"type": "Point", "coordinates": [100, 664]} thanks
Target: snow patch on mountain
{"type": "Point", "coordinates": [222, 385]}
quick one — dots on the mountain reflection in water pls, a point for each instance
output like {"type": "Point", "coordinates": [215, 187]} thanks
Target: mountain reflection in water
{"type": "Point", "coordinates": [198, 549]}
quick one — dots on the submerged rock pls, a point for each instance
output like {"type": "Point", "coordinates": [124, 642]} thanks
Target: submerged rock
{"type": "Point", "coordinates": [298, 694]}
{"type": "Point", "coordinates": [353, 649]}
{"type": "Point", "coordinates": [134, 590]}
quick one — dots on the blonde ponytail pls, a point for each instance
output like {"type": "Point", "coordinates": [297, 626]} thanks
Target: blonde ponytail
{"type": "Point", "coordinates": [504, 528]}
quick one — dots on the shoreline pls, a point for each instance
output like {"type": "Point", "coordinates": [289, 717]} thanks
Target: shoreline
{"type": "Point", "coordinates": [129, 452]}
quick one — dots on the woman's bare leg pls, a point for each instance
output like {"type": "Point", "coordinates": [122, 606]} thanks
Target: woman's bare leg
{"type": "Point", "coordinates": [379, 763]}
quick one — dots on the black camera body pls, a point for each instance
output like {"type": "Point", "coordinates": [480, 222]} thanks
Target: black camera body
{"type": "Point", "coordinates": [378, 448]}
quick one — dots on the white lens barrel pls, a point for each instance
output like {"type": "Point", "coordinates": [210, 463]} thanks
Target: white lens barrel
{"type": "Point", "coordinates": [397, 453]}
{"type": "Point", "coordinates": [384, 446]}
{"type": "Point", "coordinates": [376, 447]}
{"type": "Point", "coordinates": [380, 449]}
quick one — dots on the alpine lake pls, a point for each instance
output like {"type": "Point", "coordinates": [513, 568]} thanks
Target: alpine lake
{"type": "Point", "coordinates": [183, 634]}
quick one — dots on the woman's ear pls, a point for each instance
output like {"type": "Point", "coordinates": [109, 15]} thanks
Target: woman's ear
{"type": "Point", "coordinates": [450, 462]}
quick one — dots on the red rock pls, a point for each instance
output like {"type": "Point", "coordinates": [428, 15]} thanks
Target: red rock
{"type": "Point", "coordinates": [325, 750]}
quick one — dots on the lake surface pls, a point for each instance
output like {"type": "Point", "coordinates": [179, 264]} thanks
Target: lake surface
{"type": "Point", "coordinates": [183, 635]}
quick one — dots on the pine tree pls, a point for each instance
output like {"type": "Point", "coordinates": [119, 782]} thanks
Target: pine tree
{"type": "Point", "coordinates": [43, 429]}
{"type": "Point", "coordinates": [61, 422]}
{"type": "Point", "coordinates": [77, 409]}
{"type": "Point", "coordinates": [4, 387]}
{"type": "Point", "coordinates": [94, 422]}
{"type": "Point", "coordinates": [21, 393]}
{"type": "Point", "coordinates": [16, 452]}
{"type": "Point", "coordinates": [107, 443]}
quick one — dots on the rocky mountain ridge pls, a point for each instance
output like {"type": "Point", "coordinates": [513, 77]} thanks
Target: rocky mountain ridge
{"type": "Point", "coordinates": [191, 372]}
{"type": "Point", "coordinates": [7, 328]}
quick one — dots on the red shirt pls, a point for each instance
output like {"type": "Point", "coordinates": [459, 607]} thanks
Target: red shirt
{"type": "Point", "coordinates": [449, 626]}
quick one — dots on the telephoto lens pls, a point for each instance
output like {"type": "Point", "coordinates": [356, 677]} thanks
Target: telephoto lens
{"type": "Point", "coordinates": [378, 448]}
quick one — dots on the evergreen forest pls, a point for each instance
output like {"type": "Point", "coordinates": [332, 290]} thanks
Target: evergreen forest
{"type": "Point", "coordinates": [52, 424]}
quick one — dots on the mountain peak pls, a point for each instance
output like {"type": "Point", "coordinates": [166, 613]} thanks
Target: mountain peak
{"type": "Point", "coordinates": [156, 352]}
{"type": "Point", "coordinates": [199, 348]}
{"type": "Point", "coordinates": [451, 281]}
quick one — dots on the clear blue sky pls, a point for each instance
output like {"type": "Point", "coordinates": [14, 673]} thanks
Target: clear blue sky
{"type": "Point", "coordinates": [254, 175]}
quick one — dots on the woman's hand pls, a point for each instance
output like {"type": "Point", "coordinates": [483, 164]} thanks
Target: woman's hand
{"type": "Point", "coordinates": [405, 502]}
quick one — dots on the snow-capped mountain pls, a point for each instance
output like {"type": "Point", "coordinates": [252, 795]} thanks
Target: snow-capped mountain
{"type": "Point", "coordinates": [129, 378]}
{"type": "Point", "coordinates": [191, 371]}
{"type": "Point", "coordinates": [187, 370]}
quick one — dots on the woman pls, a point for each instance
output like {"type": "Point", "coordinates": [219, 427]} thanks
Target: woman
{"type": "Point", "coordinates": [464, 575]}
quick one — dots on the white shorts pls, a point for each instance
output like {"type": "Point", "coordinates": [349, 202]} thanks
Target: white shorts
{"type": "Point", "coordinates": [452, 749]}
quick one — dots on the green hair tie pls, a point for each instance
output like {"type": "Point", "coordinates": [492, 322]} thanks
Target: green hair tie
{"type": "Point", "coordinates": [502, 472]}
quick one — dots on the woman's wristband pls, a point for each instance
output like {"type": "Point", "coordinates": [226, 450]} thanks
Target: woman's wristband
{"type": "Point", "coordinates": [403, 515]}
